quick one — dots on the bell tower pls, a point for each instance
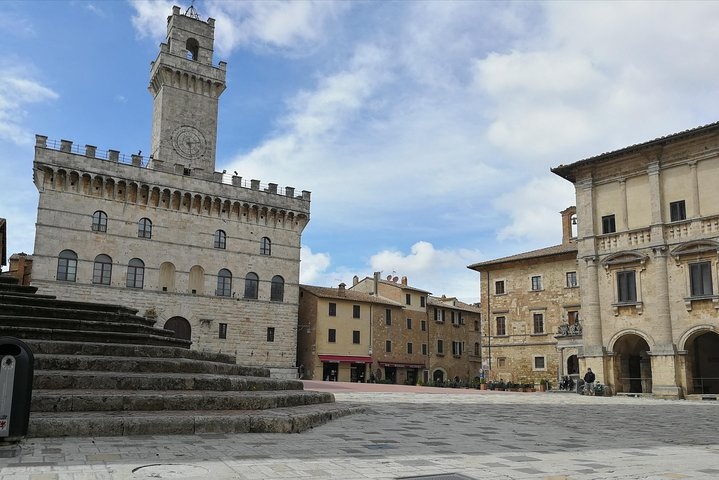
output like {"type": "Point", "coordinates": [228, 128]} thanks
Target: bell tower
{"type": "Point", "coordinates": [186, 88]}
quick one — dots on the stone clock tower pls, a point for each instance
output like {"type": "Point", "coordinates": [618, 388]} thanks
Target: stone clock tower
{"type": "Point", "coordinates": [186, 88]}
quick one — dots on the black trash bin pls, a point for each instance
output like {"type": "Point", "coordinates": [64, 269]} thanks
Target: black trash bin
{"type": "Point", "coordinates": [16, 372]}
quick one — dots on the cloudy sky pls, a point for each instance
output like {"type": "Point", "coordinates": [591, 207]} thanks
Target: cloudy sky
{"type": "Point", "coordinates": [424, 130]}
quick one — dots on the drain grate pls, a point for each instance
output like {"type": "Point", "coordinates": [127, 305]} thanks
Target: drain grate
{"type": "Point", "coordinates": [439, 476]}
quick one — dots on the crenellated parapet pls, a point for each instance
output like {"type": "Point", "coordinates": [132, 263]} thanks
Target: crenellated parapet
{"type": "Point", "coordinates": [110, 175]}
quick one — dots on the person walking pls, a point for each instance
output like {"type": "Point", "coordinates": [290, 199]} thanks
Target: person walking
{"type": "Point", "coordinates": [589, 378]}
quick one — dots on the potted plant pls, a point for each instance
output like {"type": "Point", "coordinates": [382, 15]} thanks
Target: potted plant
{"type": "Point", "coordinates": [543, 385]}
{"type": "Point", "coordinates": [482, 384]}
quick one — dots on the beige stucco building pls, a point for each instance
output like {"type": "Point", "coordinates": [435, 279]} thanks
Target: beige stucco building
{"type": "Point", "coordinates": [335, 331]}
{"type": "Point", "coordinates": [386, 330]}
{"type": "Point", "coordinates": [647, 246]}
{"type": "Point", "coordinates": [531, 302]}
{"type": "Point", "coordinates": [211, 256]}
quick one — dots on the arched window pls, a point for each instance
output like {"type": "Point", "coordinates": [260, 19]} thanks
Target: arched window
{"type": "Point", "coordinates": [102, 271]}
{"type": "Point", "coordinates": [144, 228]}
{"type": "Point", "coordinates": [135, 273]}
{"type": "Point", "coordinates": [476, 349]}
{"type": "Point", "coordinates": [252, 282]}
{"type": "Point", "coordinates": [224, 283]}
{"type": "Point", "coordinates": [167, 277]}
{"type": "Point", "coordinates": [277, 292]}
{"type": "Point", "coordinates": [99, 221]}
{"type": "Point", "coordinates": [67, 266]}
{"type": "Point", "coordinates": [193, 49]}
{"type": "Point", "coordinates": [197, 280]}
{"type": "Point", "coordinates": [265, 246]}
{"type": "Point", "coordinates": [220, 239]}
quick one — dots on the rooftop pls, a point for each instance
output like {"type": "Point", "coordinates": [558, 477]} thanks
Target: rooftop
{"type": "Point", "coordinates": [556, 250]}
{"type": "Point", "coordinates": [568, 171]}
{"type": "Point", "coordinates": [334, 293]}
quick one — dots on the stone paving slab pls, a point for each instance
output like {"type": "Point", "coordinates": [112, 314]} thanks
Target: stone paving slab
{"type": "Point", "coordinates": [410, 434]}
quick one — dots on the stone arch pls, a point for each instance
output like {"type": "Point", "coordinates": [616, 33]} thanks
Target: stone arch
{"type": "Point", "coordinates": [180, 326]}
{"type": "Point", "coordinates": [226, 208]}
{"type": "Point", "coordinates": [61, 180]}
{"type": "Point", "coordinates": [121, 192]}
{"type": "Point", "coordinates": [186, 202]}
{"type": "Point", "coordinates": [132, 190]}
{"type": "Point", "coordinates": [74, 181]}
{"type": "Point", "coordinates": [176, 200]}
{"type": "Point", "coordinates": [207, 205]}
{"type": "Point", "coordinates": [85, 183]}
{"type": "Point", "coordinates": [629, 331]}
{"type": "Point", "coordinates": [197, 204]}
{"type": "Point", "coordinates": [143, 196]}
{"type": "Point", "coordinates": [96, 189]}
{"type": "Point", "coordinates": [632, 364]}
{"type": "Point", "coordinates": [439, 375]}
{"type": "Point", "coordinates": [110, 188]}
{"type": "Point", "coordinates": [573, 365]}
{"type": "Point", "coordinates": [702, 373]}
{"type": "Point", "coordinates": [154, 197]}
{"type": "Point", "coordinates": [165, 198]}
{"type": "Point", "coordinates": [216, 207]}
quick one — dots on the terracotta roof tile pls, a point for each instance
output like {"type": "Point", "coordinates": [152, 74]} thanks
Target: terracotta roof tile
{"type": "Point", "coordinates": [542, 252]}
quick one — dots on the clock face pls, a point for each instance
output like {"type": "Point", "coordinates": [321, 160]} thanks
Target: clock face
{"type": "Point", "coordinates": [189, 142]}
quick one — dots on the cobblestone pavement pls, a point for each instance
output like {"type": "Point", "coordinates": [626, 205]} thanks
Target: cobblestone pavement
{"type": "Point", "coordinates": [406, 433]}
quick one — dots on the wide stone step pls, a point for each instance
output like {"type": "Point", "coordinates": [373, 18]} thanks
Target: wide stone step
{"type": "Point", "coordinates": [279, 420]}
{"type": "Point", "coordinates": [93, 337]}
{"type": "Point", "coordinates": [52, 302]}
{"type": "Point", "coordinates": [107, 363]}
{"type": "Point", "coordinates": [11, 308]}
{"type": "Point", "coordinates": [11, 288]}
{"type": "Point", "coordinates": [8, 279]}
{"type": "Point", "coordinates": [156, 400]}
{"type": "Point", "coordinates": [84, 325]}
{"type": "Point", "coordinates": [40, 347]}
{"type": "Point", "coordinates": [63, 379]}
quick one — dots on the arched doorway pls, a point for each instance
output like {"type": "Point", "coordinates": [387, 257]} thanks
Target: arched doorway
{"type": "Point", "coordinates": [702, 363]}
{"type": "Point", "coordinates": [438, 376]}
{"type": "Point", "coordinates": [632, 365]}
{"type": "Point", "coordinates": [573, 365]}
{"type": "Point", "coordinates": [180, 326]}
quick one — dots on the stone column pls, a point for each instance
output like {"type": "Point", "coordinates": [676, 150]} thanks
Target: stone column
{"type": "Point", "coordinates": [623, 218]}
{"type": "Point", "coordinates": [696, 211]}
{"type": "Point", "coordinates": [663, 352]}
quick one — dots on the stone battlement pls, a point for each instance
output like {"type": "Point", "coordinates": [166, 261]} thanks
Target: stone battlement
{"type": "Point", "coordinates": [137, 160]}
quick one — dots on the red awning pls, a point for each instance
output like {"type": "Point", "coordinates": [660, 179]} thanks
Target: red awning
{"type": "Point", "coordinates": [405, 365]}
{"type": "Point", "coordinates": [345, 359]}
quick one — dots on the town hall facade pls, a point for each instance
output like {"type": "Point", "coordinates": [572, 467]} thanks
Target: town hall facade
{"type": "Point", "coordinates": [214, 258]}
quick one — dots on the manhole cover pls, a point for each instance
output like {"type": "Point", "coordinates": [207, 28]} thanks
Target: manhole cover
{"type": "Point", "coordinates": [439, 476]}
{"type": "Point", "coordinates": [169, 470]}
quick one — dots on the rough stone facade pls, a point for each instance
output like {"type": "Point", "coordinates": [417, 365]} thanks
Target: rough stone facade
{"type": "Point", "coordinates": [168, 234]}
{"type": "Point", "coordinates": [531, 302]}
{"type": "Point", "coordinates": [647, 247]}
{"type": "Point", "coordinates": [456, 326]}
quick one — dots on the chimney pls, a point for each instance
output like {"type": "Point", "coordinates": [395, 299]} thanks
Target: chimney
{"type": "Point", "coordinates": [355, 280]}
{"type": "Point", "coordinates": [376, 282]}
{"type": "Point", "coordinates": [341, 291]}
{"type": "Point", "coordinates": [404, 280]}
{"type": "Point", "coordinates": [567, 215]}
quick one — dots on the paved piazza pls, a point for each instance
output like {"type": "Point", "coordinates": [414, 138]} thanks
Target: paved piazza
{"type": "Point", "coordinates": [411, 432]}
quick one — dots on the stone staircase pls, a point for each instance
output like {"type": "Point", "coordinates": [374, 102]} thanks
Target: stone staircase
{"type": "Point", "coordinates": [102, 370]}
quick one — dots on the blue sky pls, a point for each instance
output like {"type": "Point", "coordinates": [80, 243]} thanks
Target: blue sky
{"type": "Point", "coordinates": [424, 130]}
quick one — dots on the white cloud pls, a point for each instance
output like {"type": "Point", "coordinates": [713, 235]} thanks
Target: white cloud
{"type": "Point", "coordinates": [312, 265]}
{"type": "Point", "coordinates": [440, 271]}
{"type": "Point", "coordinates": [17, 91]}
{"type": "Point", "coordinates": [533, 210]}
{"type": "Point", "coordinates": [150, 19]}
{"type": "Point", "coordinates": [289, 26]}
